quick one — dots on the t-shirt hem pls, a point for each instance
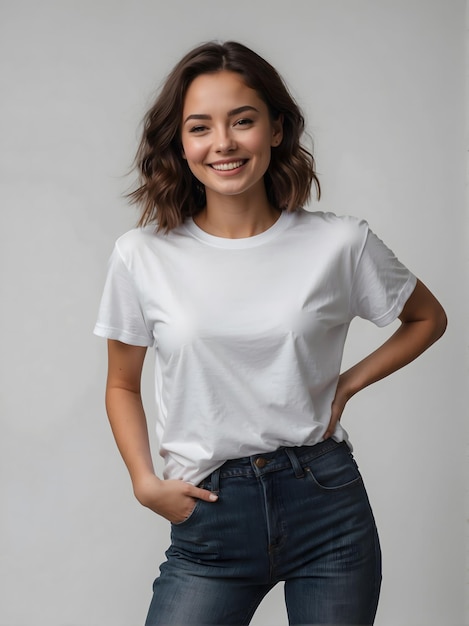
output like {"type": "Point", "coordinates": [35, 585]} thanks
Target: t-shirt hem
{"type": "Point", "coordinates": [121, 335]}
{"type": "Point", "coordinates": [402, 298]}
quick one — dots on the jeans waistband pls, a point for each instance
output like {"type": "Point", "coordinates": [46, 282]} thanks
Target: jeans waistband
{"type": "Point", "coordinates": [265, 462]}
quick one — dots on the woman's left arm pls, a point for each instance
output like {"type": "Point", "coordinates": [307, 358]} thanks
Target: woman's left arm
{"type": "Point", "coordinates": [423, 322]}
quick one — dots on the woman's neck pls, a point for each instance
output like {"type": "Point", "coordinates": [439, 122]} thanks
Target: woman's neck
{"type": "Point", "coordinates": [232, 219]}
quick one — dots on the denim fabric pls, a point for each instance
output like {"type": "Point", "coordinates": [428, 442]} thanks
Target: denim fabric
{"type": "Point", "coordinates": [299, 515]}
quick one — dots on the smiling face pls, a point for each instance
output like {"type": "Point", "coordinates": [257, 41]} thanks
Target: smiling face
{"type": "Point", "coordinates": [227, 135]}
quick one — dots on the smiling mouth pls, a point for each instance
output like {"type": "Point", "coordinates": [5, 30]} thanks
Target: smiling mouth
{"type": "Point", "coordinates": [223, 167]}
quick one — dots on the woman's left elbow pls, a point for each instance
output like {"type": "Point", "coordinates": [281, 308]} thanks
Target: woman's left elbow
{"type": "Point", "coordinates": [441, 322]}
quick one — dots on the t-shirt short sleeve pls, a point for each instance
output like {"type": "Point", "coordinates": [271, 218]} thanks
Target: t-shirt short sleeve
{"type": "Point", "coordinates": [381, 284]}
{"type": "Point", "coordinates": [120, 314]}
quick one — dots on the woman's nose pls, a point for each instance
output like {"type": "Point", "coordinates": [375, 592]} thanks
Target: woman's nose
{"type": "Point", "coordinates": [225, 141]}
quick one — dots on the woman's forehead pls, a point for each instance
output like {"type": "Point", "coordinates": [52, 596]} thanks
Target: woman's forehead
{"type": "Point", "coordinates": [219, 90]}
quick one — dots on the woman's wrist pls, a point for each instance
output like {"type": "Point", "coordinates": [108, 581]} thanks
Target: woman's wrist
{"type": "Point", "coordinates": [144, 486]}
{"type": "Point", "coordinates": [348, 385]}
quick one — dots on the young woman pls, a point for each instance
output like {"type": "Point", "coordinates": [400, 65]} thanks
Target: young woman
{"type": "Point", "coordinates": [247, 298]}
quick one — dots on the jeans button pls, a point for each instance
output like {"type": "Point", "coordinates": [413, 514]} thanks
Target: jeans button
{"type": "Point", "coordinates": [260, 462]}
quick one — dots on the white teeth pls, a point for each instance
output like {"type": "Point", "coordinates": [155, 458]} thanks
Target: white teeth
{"type": "Point", "coordinates": [227, 166]}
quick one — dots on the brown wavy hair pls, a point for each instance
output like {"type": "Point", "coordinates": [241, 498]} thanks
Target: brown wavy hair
{"type": "Point", "coordinates": [167, 190]}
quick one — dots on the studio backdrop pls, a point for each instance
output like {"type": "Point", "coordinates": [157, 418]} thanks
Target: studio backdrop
{"type": "Point", "coordinates": [381, 83]}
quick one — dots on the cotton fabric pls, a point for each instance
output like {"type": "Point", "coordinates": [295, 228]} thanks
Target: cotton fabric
{"type": "Point", "coordinates": [248, 333]}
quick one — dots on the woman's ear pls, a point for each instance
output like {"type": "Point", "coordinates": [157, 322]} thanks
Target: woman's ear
{"type": "Point", "coordinates": [277, 131]}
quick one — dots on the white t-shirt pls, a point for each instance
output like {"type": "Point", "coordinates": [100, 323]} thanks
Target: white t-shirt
{"type": "Point", "coordinates": [248, 333]}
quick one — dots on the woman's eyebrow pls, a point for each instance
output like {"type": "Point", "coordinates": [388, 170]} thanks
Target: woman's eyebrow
{"type": "Point", "coordinates": [237, 111]}
{"type": "Point", "coordinates": [242, 109]}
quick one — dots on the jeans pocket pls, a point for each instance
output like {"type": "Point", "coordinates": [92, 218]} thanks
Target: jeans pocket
{"type": "Point", "coordinates": [191, 515]}
{"type": "Point", "coordinates": [334, 470]}
{"type": "Point", "coordinates": [205, 484]}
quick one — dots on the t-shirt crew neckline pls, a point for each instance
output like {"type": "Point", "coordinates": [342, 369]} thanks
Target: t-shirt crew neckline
{"type": "Point", "coordinates": [244, 242]}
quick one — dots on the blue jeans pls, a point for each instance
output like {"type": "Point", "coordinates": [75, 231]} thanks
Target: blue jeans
{"type": "Point", "coordinates": [299, 515]}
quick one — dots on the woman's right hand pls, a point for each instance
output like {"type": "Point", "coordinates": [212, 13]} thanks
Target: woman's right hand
{"type": "Point", "coordinates": [173, 499]}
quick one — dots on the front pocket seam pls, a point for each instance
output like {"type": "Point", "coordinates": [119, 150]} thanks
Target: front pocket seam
{"type": "Point", "coordinates": [351, 483]}
{"type": "Point", "coordinates": [190, 516]}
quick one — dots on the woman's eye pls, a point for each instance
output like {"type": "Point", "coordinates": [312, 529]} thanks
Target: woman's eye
{"type": "Point", "coordinates": [197, 129]}
{"type": "Point", "coordinates": [243, 122]}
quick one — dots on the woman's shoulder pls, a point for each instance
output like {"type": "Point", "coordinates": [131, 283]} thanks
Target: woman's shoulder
{"type": "Point", "coordinates": [143, 237]}
{"type": "Point", "coordinates": [136, 236]}
{"type": "Point", "coordinates": [328, 222]}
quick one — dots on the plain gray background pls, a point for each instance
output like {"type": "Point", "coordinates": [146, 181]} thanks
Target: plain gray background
{"type": "Point", "coordinates": [382, 86]}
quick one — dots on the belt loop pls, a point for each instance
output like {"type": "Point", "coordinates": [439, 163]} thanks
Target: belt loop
{"type": "Point", "coordinates": [215, 480]}
{"type": "Point", "coordinates": [299, 473]}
